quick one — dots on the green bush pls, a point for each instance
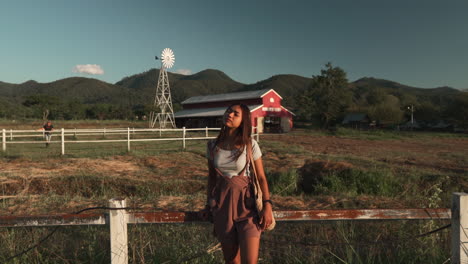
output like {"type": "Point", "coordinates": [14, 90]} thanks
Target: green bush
{"type": "Point", "coordinates": [327, 177]}
{"type": "Point", "coordinates": [358, 182]}
{"type": "Point", "coordinates": [283, 182]}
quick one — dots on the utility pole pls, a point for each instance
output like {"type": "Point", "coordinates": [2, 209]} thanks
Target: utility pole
{"type": "Point", "coordinates": [411, 108]}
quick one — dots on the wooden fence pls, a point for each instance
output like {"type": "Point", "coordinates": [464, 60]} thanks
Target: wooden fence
{"type": "Point", "coordinates": [118, 217]}
{"type": "Point", "coordinates": [70, 136]}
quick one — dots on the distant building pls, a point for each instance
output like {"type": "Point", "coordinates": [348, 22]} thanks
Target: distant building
{"type": "Point", "coordinates": [357, 121]}
{"type": "Point", "coordinates": [268, 115]}
{"type": "Point", "coordinates": [415, 125]}
{"type": "Point", "coordinates": [441, 125]}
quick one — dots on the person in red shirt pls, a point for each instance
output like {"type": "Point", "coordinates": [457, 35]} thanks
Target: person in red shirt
{"type": "Point", "coordinates": [48, 128]}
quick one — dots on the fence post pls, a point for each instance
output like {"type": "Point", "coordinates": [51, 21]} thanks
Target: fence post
{"type": "Point", "coordinates": [104, 133]}
{"type": "Point", "coordinates": [63, 141]}
{"type": "Point", "coordinates": [206, 132]}
{"type": "Point", "coordinates": [3, 140]}
{"type": "Point", "coordinates": [118, 220]}
{"type": "Point", "coordinates": [459, 228]}
{"type": "Point", "coordinates": [183, 137]}
{"type": "Point", "coordinates": [128, 139]}
{"type": "Point", "coordinates": [75, 133]}
{"type": "Point", "coordinates": [11, 134]}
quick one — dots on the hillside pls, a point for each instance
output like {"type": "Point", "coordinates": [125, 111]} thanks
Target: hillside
{"type": "Point", "coordinates": [6, 89]}
{"type": "Point", "coordinates": [85, 90]}
{"type": "Point", "coordinates": [134, 94]}
{"type": "Point", "coordinates": [182, 86]}
{"type": "Point", "coordinates": [394, 86]}
{"type": "Point", "coordinates": [140, 88]}
{"type": "Point", "coordinates": [440, 96]}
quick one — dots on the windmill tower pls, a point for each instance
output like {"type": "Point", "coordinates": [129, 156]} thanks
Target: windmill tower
{"type": "Point", "coordinates": [163, 101]}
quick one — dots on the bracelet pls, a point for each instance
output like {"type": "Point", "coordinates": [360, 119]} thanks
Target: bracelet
{"type": "Point", "coordinates": [268, 201]}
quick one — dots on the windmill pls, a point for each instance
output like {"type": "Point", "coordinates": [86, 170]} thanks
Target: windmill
{"type": "Point", "coordinates": [162, 101]}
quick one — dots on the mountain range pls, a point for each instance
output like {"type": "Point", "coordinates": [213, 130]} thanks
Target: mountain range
{"type": "Point", "coordinates": [140, 88]}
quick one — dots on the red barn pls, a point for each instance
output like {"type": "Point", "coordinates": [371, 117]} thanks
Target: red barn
{"type": "Point", "coordinates": [268, 115]}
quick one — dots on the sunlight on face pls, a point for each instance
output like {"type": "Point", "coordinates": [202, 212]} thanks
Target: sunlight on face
{"type": "Point", "coordinates": [233, 117]}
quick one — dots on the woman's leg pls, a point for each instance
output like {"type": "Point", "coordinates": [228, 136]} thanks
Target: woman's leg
{"type": "Point", "coordinates": [231, 253]}
{"type": "Point", "coordinates": [249, 250]}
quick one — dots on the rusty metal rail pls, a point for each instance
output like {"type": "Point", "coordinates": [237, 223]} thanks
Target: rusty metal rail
{"type": "Point", "coordinates": [183, 217]}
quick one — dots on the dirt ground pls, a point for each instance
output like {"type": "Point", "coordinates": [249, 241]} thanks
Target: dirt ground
{"type": "Point", "coordinates": [19, 176]}
{"type": "Point", "coordinates": [439, 153]}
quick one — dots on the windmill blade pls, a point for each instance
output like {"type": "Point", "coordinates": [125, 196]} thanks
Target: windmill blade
{"type": "Point", "coordinates": [168, 58]}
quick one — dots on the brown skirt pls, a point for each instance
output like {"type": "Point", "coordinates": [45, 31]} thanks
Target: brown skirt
{"type": "Point", "coordinates": [234, 215]}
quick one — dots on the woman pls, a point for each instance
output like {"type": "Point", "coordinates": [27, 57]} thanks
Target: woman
{"type": "Point", "coordinates": [237, 224]}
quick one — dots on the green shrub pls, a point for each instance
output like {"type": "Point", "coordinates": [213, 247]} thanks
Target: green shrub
{"type": "Point", "coordinates": [283, 182]}
{"type": "Point", "coordinates": [326, 177]}
{"type": "Point", "coordinates": [358, 182]}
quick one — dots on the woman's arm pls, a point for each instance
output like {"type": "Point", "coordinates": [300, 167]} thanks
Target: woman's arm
{"type": "Point", "coordinates": [267, 218]}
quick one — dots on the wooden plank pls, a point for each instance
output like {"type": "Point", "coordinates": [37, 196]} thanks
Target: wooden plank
{"type": "Point", "coordinates": [364, 214]}
{"type": "Point", "coordinates": [182, 217]}
{"type": "Point", "coordinates": [309, 215]}
{"type": "Point", "coordinates": [163, 217]}
{"type": "Point", "coordinates": [53, 220]}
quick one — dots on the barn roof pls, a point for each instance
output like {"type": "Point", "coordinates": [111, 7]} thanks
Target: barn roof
{"type": "Point", "coordinates": [228, 96]}
{"type": "Point", "coordinates": [206, 112]}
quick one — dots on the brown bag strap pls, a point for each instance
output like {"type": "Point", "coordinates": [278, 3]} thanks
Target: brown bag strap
{"type": "Point", "coordinates": [253, 176]}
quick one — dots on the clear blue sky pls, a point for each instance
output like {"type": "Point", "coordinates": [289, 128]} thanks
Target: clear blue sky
{"type": "Point", "coordinates": [422, 43]}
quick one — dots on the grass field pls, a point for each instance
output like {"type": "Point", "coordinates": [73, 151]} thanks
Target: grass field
{"type": "Point", "coordinates": [307, 169]}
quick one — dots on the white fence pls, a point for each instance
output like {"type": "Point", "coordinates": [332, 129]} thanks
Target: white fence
{"type": "Point", "coordinates": [70, 136]}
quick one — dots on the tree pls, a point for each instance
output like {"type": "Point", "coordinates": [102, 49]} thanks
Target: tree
{"type": "Point", "coordinates": [426, 111]}
{"type": "Point", "coordinates": [375, 96]}
{"type": "Point", "coordinates": [457, 111]}
{"type": "Point", "coordinates": [388, 111]}
{"type": "Point", "coordinates": [74, 110]}
{"type": "Point", "coordinates": [98, 111]}
{"type": "Point", "coordinates": [327, 97]}
{"type": "Point", "coordinates": [43, 105]}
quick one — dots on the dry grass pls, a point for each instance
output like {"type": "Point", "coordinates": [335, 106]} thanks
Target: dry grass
{"type": "Point", "coordinates": [175, 180]}
{"type": "Point", "coordinates": [171, 179]}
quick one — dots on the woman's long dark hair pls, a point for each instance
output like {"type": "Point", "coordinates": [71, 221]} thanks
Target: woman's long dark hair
{"type": "Point", "coordinates": [243, 132]}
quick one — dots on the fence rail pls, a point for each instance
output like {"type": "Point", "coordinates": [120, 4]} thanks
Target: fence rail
{"type": "Point", "coordinates": [119, 216]}
{"type": "Point", "coordinates": [129, 135]}
{"type": "Point", "coordinates": [190, 216]}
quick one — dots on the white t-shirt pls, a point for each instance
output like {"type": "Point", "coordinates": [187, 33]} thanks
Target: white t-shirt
{"type": "Point", "coordinates": [224, 159]}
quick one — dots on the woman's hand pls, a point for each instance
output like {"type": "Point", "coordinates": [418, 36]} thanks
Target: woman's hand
{"type": "Point", "coordinates": [266, 217]}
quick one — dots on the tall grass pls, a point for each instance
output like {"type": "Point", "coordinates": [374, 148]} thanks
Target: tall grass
{"type": "Point", "coordinates": [291, 242]}
{"type": "Point", "coordinates": [356, 182]}
{"type": "Point", "coordinates": [283, 182]}
{"type": "Point", "coordinates": [325, 242]}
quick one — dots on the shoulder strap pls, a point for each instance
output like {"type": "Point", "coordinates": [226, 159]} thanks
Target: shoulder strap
{"type": "Point", "coordinates": [251, 160]}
